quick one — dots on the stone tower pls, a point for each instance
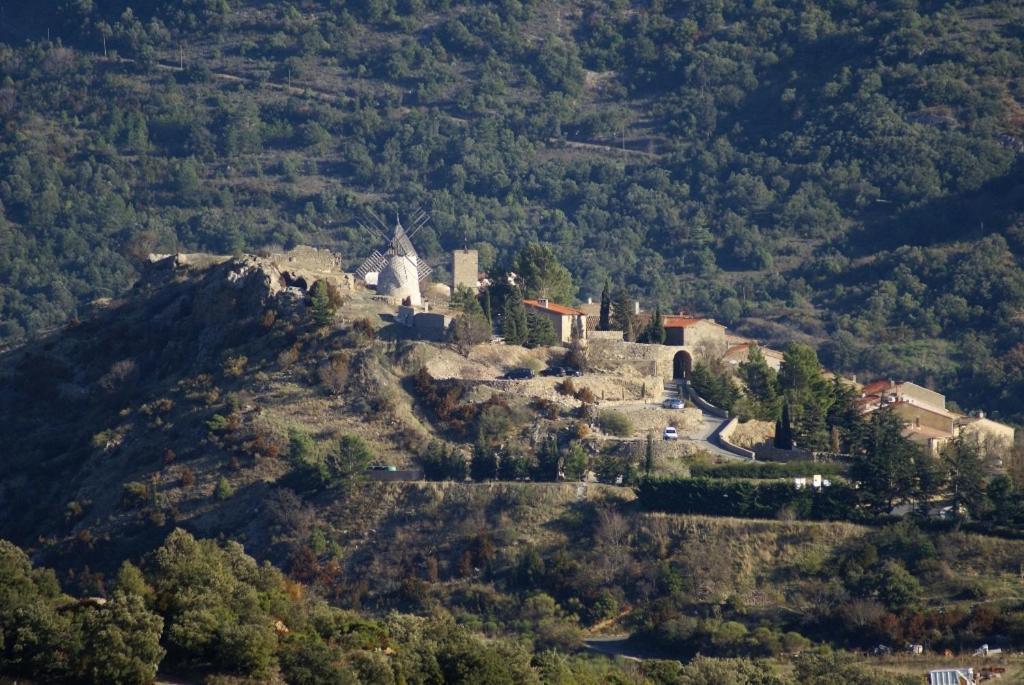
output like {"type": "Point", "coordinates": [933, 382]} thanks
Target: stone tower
{"type": "Point", "coordinates": [465, 269]}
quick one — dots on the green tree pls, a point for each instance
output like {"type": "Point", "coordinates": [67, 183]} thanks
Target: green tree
{"type": "Point", "coordinates": [884, 464]}
{"type": "Point", "coordinates": [351, 457]}
{"type": "Point", "coordinates": [604, 322]}
{"type": "Point", "coordinates": [622, 313]}
{"type": "Point", "coordinates": [649, 455]}
{"type": "Point", "coordinates": [801, 381]}
{"type": "Point", "coordinates": [542, 275]}
{"type": "Point", "coordinates": [121, 642]}
{"type": "Point", "coordinates": [760, 382]}
{"type": "Point", "coordinates": [514, 326]}
{"type": "Point", "coordinates": [322, 310]}
{"type": "Point", "coordinates": [784, 430]}
{"type": "Point", "coordinates": [965, 477]}
{"type": "Point", "coordinates": [540, 331]}
{"type": "Point", "coordinates": [654, 334]}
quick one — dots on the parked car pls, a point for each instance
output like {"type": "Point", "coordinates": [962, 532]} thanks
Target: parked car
{"type": "Point", "coordinates": [518, 374]}
{"type": "Point", "coordinates": [670, 434]}
{"type": "Point", "coordinates": [674, 403]}
{"type": "Point", "coordinates": [576, 373]}
{"type": "Point", "coordinates": [553, 371]}
{"type": "Point", "coordinates": [381, 467]}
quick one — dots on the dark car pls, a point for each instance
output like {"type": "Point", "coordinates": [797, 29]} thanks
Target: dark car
{"type": "Point", "coordinates": [576, 373]}
{"type": "Point", "coordinates": [519, 374]}
{"type": "Point", "coordinates": [554, 371]}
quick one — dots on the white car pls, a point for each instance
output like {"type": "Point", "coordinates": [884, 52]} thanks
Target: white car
{"type": "Point", "coordinates": [670, 434]}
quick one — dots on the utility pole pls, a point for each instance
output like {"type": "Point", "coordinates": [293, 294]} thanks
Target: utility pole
{"type": "Point", "coordinates": [181, 57]}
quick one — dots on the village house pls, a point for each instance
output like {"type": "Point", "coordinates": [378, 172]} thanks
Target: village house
{"type": "Point", "coordinates": [926, 419]}
{"type": "Point", "coordinates": [562, 318]}
{"type": "Point", "coordinates": [693, 332]}
{"type": "Point", "coordinates": [738, 353]}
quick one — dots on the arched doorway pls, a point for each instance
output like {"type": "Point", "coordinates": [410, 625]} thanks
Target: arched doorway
{"type": "Point", "coordinates": [682, 365]}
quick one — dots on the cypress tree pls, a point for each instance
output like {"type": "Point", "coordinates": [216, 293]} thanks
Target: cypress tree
{"type": "Point", "coordinates": [784, 430]}
{"type": "Point", "coordinates": [621, 314]}
{"type": "Point", "coordinates": [604, 323]}
{"type": "Point", "coordinates": [487, 308]}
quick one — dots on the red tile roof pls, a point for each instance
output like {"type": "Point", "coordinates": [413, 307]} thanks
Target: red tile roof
{"type": "Point", "coordinates": [554, 307]}
{"type": "Point", "coordinates": [686, 321]}
{"type": "Point", "coordinates": [875, 387]}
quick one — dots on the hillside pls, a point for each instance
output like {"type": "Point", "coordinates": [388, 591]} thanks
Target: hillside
{"type": "Point", "coordinates": [209, 399]}
{"type": "Point", "coordinates": [844, 173]}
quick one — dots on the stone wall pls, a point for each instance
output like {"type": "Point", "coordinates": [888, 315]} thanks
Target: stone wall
{"type": "Point", "coordinates": [650, 360]}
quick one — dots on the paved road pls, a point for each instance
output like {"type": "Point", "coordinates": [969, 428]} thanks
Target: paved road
{"type": "Point", "coordinates": [701, 437]}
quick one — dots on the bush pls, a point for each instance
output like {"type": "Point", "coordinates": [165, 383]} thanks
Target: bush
{"type": "Point", "coordinates": [333, 373]}
{"type": "Point", "coordinates": [586, 396]}
{"type": "Point", "coordinates": [135, 493]}
{"type": "Point", "coordinates": [566, 387]}
{"type": "Point", "coordinates": [616, 423]}
{"type": "Point", "coordinates": [224, 489]}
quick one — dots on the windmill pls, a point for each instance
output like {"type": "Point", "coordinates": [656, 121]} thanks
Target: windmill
{"type": "Point", "coordinates": [398, 268]}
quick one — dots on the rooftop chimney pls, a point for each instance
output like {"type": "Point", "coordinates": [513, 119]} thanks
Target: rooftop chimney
{"type": "Point", "coordinates": [543, 302]}
{"type": "Point", "coordinates": [636, 306]}
{"type": "Point", "coordinates": [590, 300]}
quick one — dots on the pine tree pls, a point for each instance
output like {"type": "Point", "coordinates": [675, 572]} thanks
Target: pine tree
{"type": "Point", "coordinates": [514, 326]}
{"type": "Point", "coordinates": [604, 323]}
{"type": "Point", "coordinates": [321, 308]}
{"type": "Point", "coordinates": [540, 332]}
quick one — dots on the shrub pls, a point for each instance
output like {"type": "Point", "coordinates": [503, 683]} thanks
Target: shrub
{"type": "Point", "coordinates": [217, 423]}
{"type": "Point", "coordinates": [586, 396]}
{"type": "Point", "coordinates": [566, 387]}
{"type": "Point", "coordinates": [333, 373]}
{"type": "Point", "coordinates": [616, 423]}
{"type": "Point", "coordinates": [234, 367]}
{"type": "Point", "coordinates": [224, 489]}
{"type": "Point", "coordinates": [135, 493]}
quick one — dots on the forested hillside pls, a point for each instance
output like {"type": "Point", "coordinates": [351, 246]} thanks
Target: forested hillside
{"type": "Point", "coordinates": [847, 173]}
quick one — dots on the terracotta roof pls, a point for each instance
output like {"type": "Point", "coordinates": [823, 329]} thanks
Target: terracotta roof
{"type": "Point", "coordinates": [875, 387]}
{"type": "Point", "coordinates": [553, 307]}
{"type": "Point", "coordinates": [681, 321]}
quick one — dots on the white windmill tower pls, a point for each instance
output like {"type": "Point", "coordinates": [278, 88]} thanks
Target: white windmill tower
{"type": "Point", "coordinates": [397, 271]}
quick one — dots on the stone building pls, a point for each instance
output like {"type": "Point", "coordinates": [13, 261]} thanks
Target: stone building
{"type": "Point", "coordinates": [695, 333]}
{"type": "Point", "coordinates": [562, 318]}
{"type": "Point", "coordinates": [465, 269]}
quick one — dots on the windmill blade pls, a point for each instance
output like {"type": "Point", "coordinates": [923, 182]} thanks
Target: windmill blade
{"type": "Point", "coordinates": [423, 270]}
{"type": "Point", "coordinates": [375, 262]}
{"type": "Point", "coordinates": [421, 224]}
{"type": "Point", "coordinates": [379, 221]}
{"type": "Point", "coordinates": [373, 231]}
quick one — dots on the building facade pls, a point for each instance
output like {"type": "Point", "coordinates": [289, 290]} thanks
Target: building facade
{"type": "Point", "coordinates": [562, 318]}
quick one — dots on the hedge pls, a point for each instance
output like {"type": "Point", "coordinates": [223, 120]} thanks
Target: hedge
{"type": "Point", "coordinates": [760, 469]}
{"type": "Point", "coordinates": [746, 499]}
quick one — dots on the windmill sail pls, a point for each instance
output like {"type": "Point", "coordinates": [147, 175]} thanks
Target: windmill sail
{"type": "Point", "coordinates": [400, 245]}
